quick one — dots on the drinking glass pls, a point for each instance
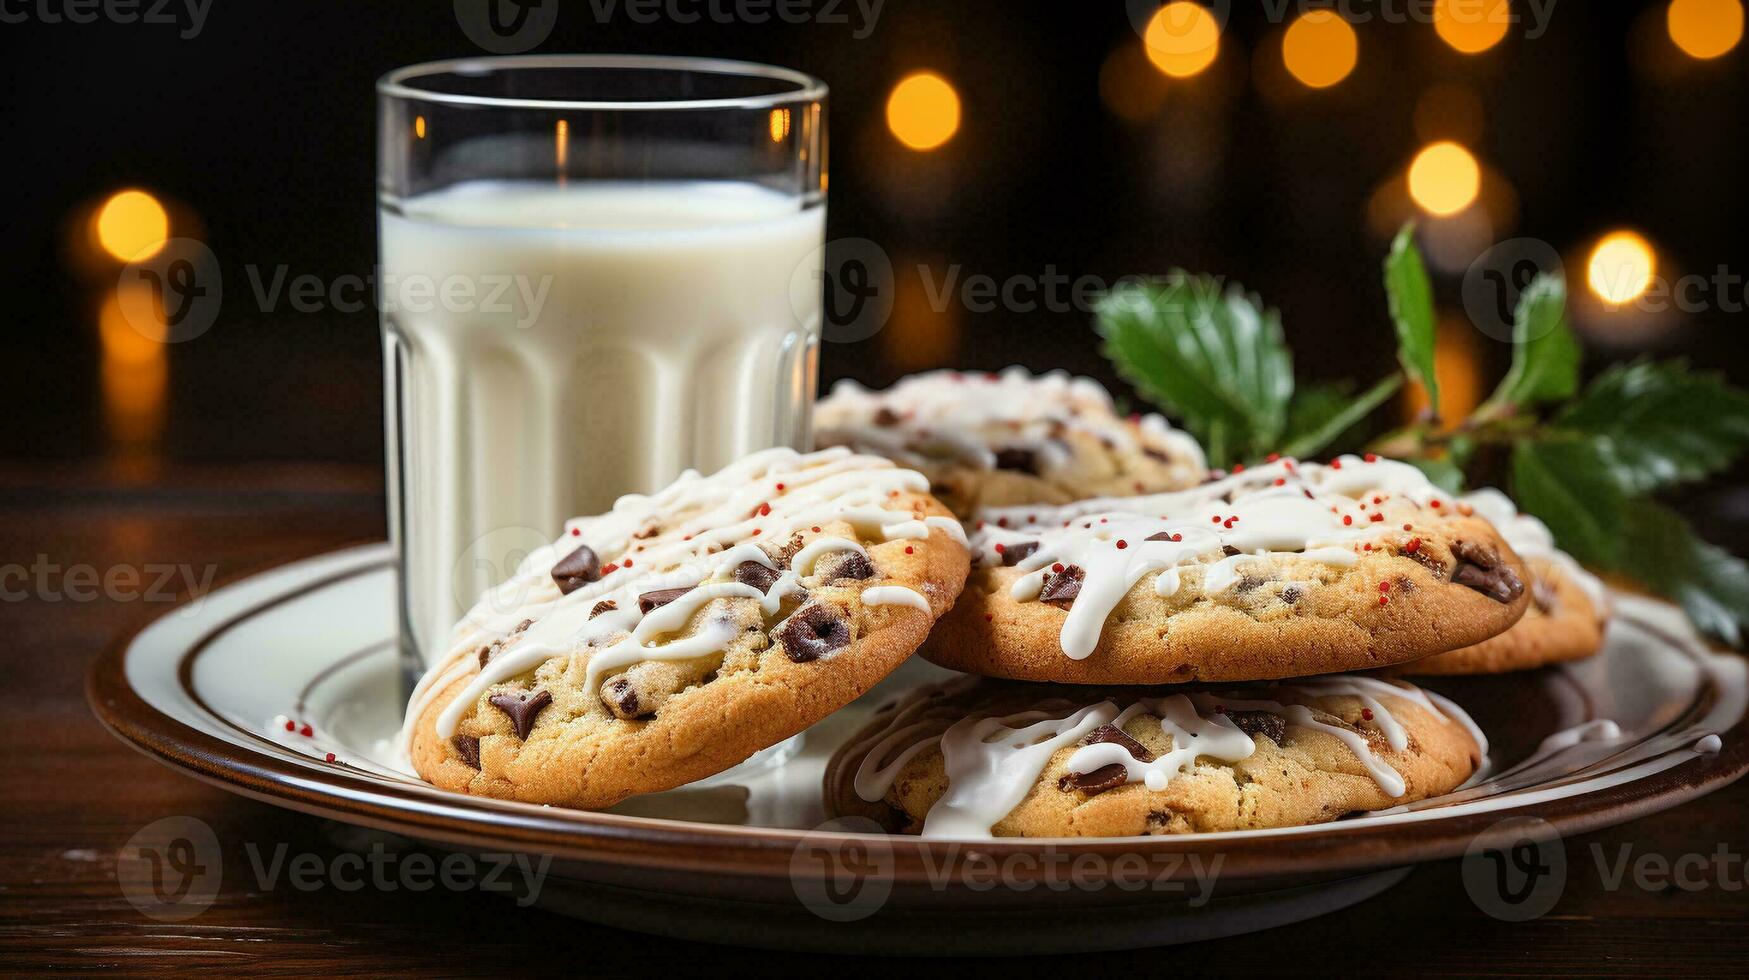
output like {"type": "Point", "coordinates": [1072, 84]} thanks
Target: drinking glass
{"type": "Point", "coordinates": [597, 272]}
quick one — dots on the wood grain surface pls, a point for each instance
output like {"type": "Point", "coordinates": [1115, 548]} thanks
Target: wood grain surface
{"type": "Point", "coordinates": [76, 795]}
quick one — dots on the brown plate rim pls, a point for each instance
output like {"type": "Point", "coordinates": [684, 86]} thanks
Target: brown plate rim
{"type": "Point", "coordinates": [623, 842]}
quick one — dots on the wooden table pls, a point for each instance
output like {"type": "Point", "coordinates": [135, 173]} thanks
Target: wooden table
{"type": "Point", "coordinates": [76, 795]}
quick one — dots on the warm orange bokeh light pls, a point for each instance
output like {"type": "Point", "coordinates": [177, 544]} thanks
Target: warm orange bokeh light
{"type": "Point", "coordinates": [1320, 49]}
{"type": "Point", "coordinates": [1182, 38]}
{"type": "Point", "coordinates": [924, 111]}
{"type": "Point", "coordinates": [1471, 26]}
{"type": "Point", "coordinates": [132, 225]}
{"type": "Point", "coordinates": [779, 125]}
{"type": "Point", "coordinates": [1444, 178]}
{"type": "Point", "coordinates": [1705, 28]}
{"type": "Point", "coordinates": [1620, 268]}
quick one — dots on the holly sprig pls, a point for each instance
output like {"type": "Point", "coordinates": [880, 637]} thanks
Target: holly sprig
{"type": "Point", "coordinates": [1588, 460]}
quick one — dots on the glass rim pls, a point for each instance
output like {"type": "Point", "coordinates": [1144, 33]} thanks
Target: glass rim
{"type": "Point", "coordinates": [401, 82]}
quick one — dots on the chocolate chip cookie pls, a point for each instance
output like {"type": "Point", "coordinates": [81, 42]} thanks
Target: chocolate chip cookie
{"type": "Point", "coordinates": [1263, 574]}
{"type": "Point", "coordinates": [1569, 607]}
{"type": "Point", "coordinates": [1010, 437]}
{"type": "Point", "coordinates": [683, 631]}
{"type": "Point", "coordinates": [980, 758]}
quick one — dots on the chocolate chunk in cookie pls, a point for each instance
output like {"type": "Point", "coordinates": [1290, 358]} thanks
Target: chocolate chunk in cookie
{"type": "Point", "coordinates": [521, 709]}
{"type": "Point", "coordinates": [577, 569]}
{"type": "Point", "coordinates": [757, 575]}
{"type": "Point", "coordinates": [1117, 736]}
{"type": "Point", "coordinates": [1017, 458]}
{"type": "Point", "coordinates": [1014, 554]}
{"type": "Point", "coordinates": [1097, 781]}
{"type": "Point", "coordinates": [1254, 723]}
{"type": "Point", "coordinates": [622, 698]}
{"type": "Point", "coordinates": [1063, 586]}
{"type": "Point", "coordinates": [468, 747]}
{"type": "Point", "coordinates": [1479, 568]}
{"type": "Point", "coordinates": [843, 566]}
{"type": "Point", "coordinates": [813, 632]}
{"type": "Point", "coordinates": [651, 601]}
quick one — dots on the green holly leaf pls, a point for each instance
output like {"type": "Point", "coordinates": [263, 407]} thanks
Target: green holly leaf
{"type": "Point", "coordinates": [1214, 358]}
{"type": "Point", "coordinates": [1711, 585]}
{"type": "Point", "coordinates": [1411, 301]}
{"type": "Point", "coordinates": [1570, 483]}
{"type": "Point", "coordinates": [1659, 423]}
{"type": "Point", "coordinates": [1320, 415]}
{"type": "Point", "coordinates": [1545, 354]}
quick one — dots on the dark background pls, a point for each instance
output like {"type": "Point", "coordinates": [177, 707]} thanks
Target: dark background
{"type": "Point", "coordinates": [259, 134]}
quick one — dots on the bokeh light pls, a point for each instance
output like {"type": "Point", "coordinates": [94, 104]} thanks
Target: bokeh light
{"type": "Point", "coordinates": [1182, 38]}
{"type": "Point", "coordinates": [1471, 26]}
{"type": "Point", "coordinates": [1705, 28]}
{"type": "Point", "coordinates": [1444, 178]}
{"type": "Point", "coordinates": [132, 225]}
{"type": "Point", "coordinates": [1320, 49]}
{"type": "Point", "coordinates": [779, 123]}
{"type": "Point", "coordinates": [1621, 267]}
{"type": "Point", "coordinates": [924, 111]}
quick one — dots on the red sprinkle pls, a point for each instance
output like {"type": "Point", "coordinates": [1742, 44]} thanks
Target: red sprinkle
{"type": "Point", "coordinates": [291, 726]}
{"type": "Point", "coordinates": [909, 549]}
{"type": "Point", "coordinates": [306, 731]}
{"type": "Point", "coordinates": [780, 487]}
{"type": "Point", "coordinates": [330, 757]}
{"type": "Point", "coordinates": [817, 528]}
{"type": "Point", "coordinates": [1371, 457]}
{"type": "Point", "coordinates": [999, 548]}
{"type": "Point", "coordinates": [1122, 544]}
{"type": "Point", "coordinates": [1377, 517]}
{"type": "Point", "coordinates": [1335, 464]}
{"type": "Point", "coordinates": [1238, 468]}
{"type": "Point", "coordinates": [1408, 527]}
{"type": "Point", "coordinates": [1280, 480]}
{"type": "Point", "coordinates": [628, 563]}
{"type": "Point", "coordinates": [610, 567]}
{"type": "Point", "coordinates": [758, 531]}
{"type": "Point", "coordinates": [1347, 519]}
{"type": "Point", "coordinates": [1434, 504]}
{"type": "Point", "coordinates": [1002, 522]}
{"type": "Point", "coordinates": [1229, 522]}
{"type": "Point", "coordinates": [576, 532]}
{"type": "Point", "coordinates": [764, 510]}
{"type": "Point", "coordinates": [1178, 537]}
{"type": "Point", "coordinates": [1368, 546]}
{"type": "Point", "coordinates": [1385, 586]}
{"type": "Point", "coordinates": [1272, 457]}
{"type": "Point", "coordinates": [1413, 546]}
{"type": "Point", "coordinates": [1383, 600]}
{"type": "Point", "coordinates": [1366, 713]}
{"type": "Point", "coordinates": [1057, 567]}
{"type": "Point", "coordinates": [1215, 519]}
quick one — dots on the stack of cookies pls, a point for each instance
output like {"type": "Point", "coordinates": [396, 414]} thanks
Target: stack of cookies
{"type": "Point", "coordinates": [1140, 646]}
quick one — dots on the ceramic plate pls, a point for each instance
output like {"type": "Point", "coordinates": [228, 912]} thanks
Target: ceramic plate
{"type": "Point", "coordinates": [223, 688]}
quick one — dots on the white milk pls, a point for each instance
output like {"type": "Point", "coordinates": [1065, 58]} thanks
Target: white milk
{"type": "Point", "coordinates": [552, 348]}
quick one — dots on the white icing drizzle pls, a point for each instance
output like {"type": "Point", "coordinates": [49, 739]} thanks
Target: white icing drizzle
{"type": "Point", "coordinates": [992, 762]}
{"type": "Point", "coordinates": [1113, 549]}
{"type": "Point", "coordinates": [894, 595]}
{"type": "Point", "coordinates": [692, 535]}
{"type": "Point", "coordinates": [959, 417]}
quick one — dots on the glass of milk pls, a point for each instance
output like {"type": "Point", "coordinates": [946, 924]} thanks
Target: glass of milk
{"type": "Point", "coordinates": [597, 272]}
